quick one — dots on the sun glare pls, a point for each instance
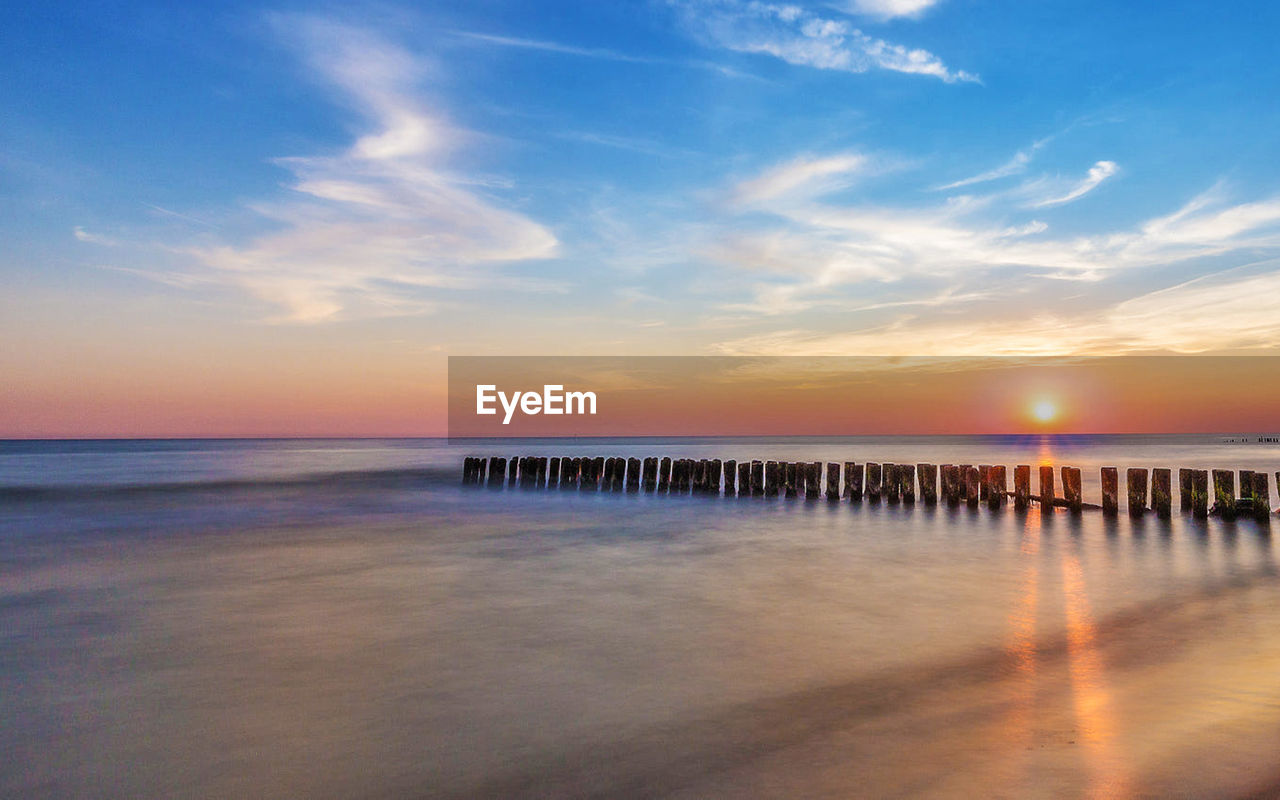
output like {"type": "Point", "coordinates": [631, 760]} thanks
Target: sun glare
{"type": "Point", "coordinates": [1044, 410]}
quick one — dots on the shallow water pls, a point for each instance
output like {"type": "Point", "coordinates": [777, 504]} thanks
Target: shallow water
{"type": "Point", "coordinates": [218, 619]}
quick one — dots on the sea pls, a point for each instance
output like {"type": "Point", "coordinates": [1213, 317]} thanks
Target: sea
{"type": "Point", "coordinates": [343, 618]}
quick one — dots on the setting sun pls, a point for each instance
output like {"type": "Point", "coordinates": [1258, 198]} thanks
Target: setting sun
{"type": "Point", "coordinates": [1044, 410]}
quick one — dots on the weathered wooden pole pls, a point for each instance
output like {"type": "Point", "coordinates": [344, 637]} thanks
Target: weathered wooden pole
{"type": "Point", "coordinates": [1021, 486]}
{"type": "Point", "coordinates": [757, 478]}
{"type": "Point", "coordinates": [1224, 493]}
{"type": "Point", "coordinates": [955, 484]}
{"type": "Point", "coordinates": [1110, 491]}
{"type": "Point", "coordinates": [542, 471]}
{"type": "Point", "coordinates": [497, 468]}
{"type": "Point", "coordinates": [1161, 492]}
{"type": "Point", "coordinates": [856, 481]}
{"type": "Point", "coordinates": [984, 482]}
{"type": "Point", "coordinates": [650, 474]}
{"type": "Point", "coordinates": [1184, 490]}
{"type": "Point", "coordinates": [1200, 493]}
{"type": "Point", "coordinates": [1136, 480]}
{"type": "Point", "coordinates": [944, 481]}
{"type": "Point", "coordinates": [513, 470]}
{"type": "Point", "coordinates": [1261, 497]}
{"type": "Point", "coordinates": [907, 474]}
{"type": "Point", "coordinates": [890, 484]}
{"type": "Point", "coordinates": [833, 480]}
{"type": "Point", "coordinates": [744, 479]}
{"type": "Point", "coordinates": [1071, 490]}
{"type": "Point", "coordinates": [772, 478]}
{"type": "Point", "coordinates": [468, 470]}
{"type": "Point", "coordinates": [875, 475]}
{"type": "Point", "coordinates": [714, 473]}
{"type": "Point", "coordinates": [1047, 493]}
{"type": "Point", "coordinates": [664, 474]}
{"type": "Point", "coordinates": [553, 472]}
{"type": "Point", "coordinates": [813, 481]}
{"type": "Point", "coordinates": [999, 486]}
{"type": "Point", "coordinates": [972, 489]}
{"type": "Point", "coordinates": [730, 478]}
{"type": "Point", "coordinates": [789, 479]}
{"type": "Point", "coordinates": [928, 476]}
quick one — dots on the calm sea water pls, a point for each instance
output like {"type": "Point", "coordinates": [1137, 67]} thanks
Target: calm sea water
{"type": "Point", "coordinates": [341, 618]}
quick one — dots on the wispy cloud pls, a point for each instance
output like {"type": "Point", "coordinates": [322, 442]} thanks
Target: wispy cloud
{"type": "Point", "coordinates": [596, 52]}
{"type": "Point", "coordinates": [1204, 315]}
{"type": "Point", "coordinates": [801, 37]}
{"type": "Point", "coordinates": [817, 252]}
{"type": "Point", "coordinates": [888, 9]}
{"type": "Point", "coordinates": [806, 174]}
{"type": "Point", "coordinates": [373, 229]}
{"type": "Point", "coordinates": [85, 236]}
{"type": "Point", "coordinates": [1014, 166]}
{"type": "Point", "coordinates": [1098, 173]}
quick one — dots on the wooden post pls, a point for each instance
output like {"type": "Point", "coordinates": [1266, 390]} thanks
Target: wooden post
{"type": "Point", "coordinates": [944, 479]}
{"type": "Point", "coordinates": [757, 478]}
{"type": "Point", "coordinates": [650, 474]}
{"type": "Point", "coordinates": [744, 479]}
{"type": "Point", "coordinates": [1071, 489]}
{"type": "Point", "coordinates": [972, 489]}
{"type": "Point", "coordinates": [633, 474]}
{"type": "Point", "coordinates": [597, 474]}
{"type": "Point", "coordinates": [928, 474]}
{"type": "Point", "coordinates": [955, 484]}
{"type": "Point", "coordinates": [1161, 493]}
{"type": "Point", "coordinates": [1047, 493]}
{"type": "Point", "coordinates": [891, 484]}
{"type": "Point", "coordinates": [553, 472]}
{"type": "Point", "coordinates": [999, 486]}
{"type": "Point", "coordinates": [1136, 479]}
{"type": "Point", "coordinates": [1261, 497]}
{"type": "Point", "coordinates": [468, 470]}
{"type": "Point", "coordinates": [1110, 491]}
{"type": "Point", "coordinates": [714, 472]}
{"type": "Point", "coordinates": [984, 481]}
{"type": "Point", "coordinates": [497, 468]}
{"type": "Point", "coordinates": [856, 481]}
{"type": "Point", "coordinates": [730, 476]}
{"type": "Point", "coordinates": [542, 471]}
{"type": "Point", "coordinates": [513, 470]}
{"type": "Point", "coordinates": [833, 480]}
{"type": "Point", "coordinates": [788, 478]}
{"type": "Point", "coordinates": [772, 476]}
{"type": "Point", "coordinates": [874, 476]}
{"type": "Point", "coordinates": [907, 474]}
{"type": "Point", "coordinates": [1224, 493]}
{"type": "Point", "coordinates": [813, 483]}
{"type": "Point", "coordinates": [1200, 493]}
{"type": "Point", "coordinates": [1021, 486]}
{"type": "Point", "coordinates": [1184, 490]}
{"type": "Point", "coordinates": [664, 474]}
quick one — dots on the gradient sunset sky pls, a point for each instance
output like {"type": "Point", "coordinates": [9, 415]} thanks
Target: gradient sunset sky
{"type": "Point", "coordinates": [280, 219]}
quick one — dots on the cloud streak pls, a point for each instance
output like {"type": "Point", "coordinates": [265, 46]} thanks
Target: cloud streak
{"type": "Point", "coordinates": [1098, 173]}
{"type": "Point", "coordinates": [373, 229]}
{"type": "Point", "coordinates": [799, 37]}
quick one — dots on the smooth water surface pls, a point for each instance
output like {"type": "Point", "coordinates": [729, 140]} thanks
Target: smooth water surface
{"type": "Point", "coordinates": [341, 618]}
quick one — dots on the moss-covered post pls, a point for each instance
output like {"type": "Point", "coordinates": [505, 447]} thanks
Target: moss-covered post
{"type": "Point", "coordinates": [1047, 492]}
{"type": "Point", "coordinates": [874, 476]}
{"type": "Point", "coordinates": [927, 474]}
{"type": "Point", "coordinates": [1136, 480]}
{"type": "Point", "coordinates": [1161, 492]}
{"type": "Point", "coordinates": [1110, 491]}
{"type": "Point", "coordinates": [1224, 493]}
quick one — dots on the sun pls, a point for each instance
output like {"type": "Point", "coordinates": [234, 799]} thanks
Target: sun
{"type": "Point", "coordinates": [1044, 410]}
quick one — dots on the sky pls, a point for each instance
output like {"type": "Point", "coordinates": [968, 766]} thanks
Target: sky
{"type": "Point", "coordinates": [281, 219]}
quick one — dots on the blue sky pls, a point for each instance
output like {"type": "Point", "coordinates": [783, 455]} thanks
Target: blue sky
{"type": "Point", "coordinates": [857, 176]}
